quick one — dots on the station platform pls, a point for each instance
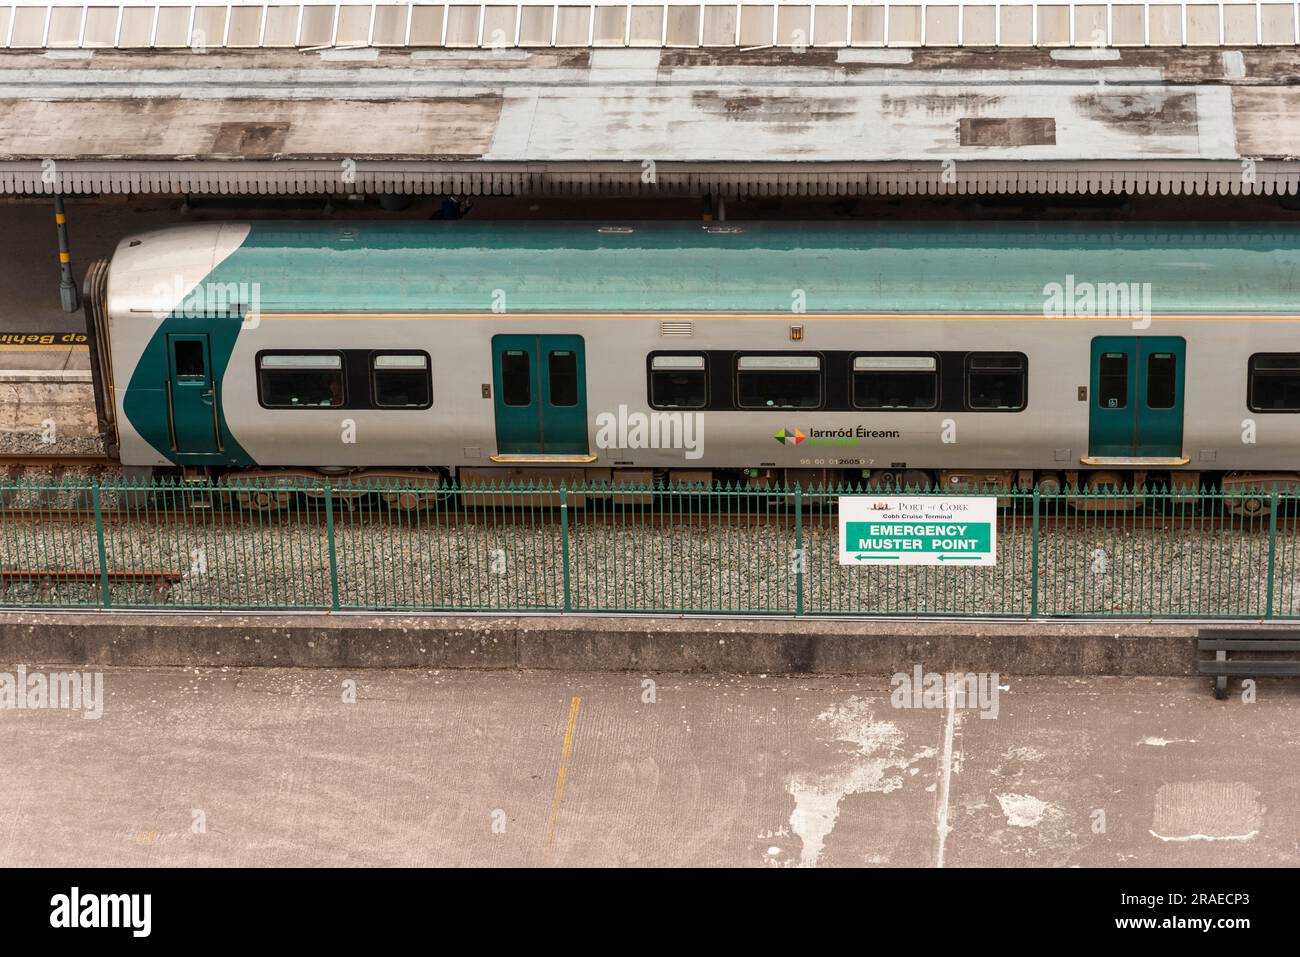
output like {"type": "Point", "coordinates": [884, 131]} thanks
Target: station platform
{"type": "Point", "coordinates": [27, 363]}
{"type": "Point", "coordinates": [37, 405]}
{"type": "Point", "coordinates": [438, 768]}
{"type": "Point", "coordinates": [713, 741]}
{"type": "Point", "coordinates": [559, 769]}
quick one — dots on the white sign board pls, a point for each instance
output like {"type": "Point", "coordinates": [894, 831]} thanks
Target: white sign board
{"type": "Point", "coordinates": [918, 530]}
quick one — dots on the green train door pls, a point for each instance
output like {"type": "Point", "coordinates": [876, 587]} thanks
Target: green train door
{"type": "Point", "coordinates": [540, 389]}
{"type": "Point", "coordinates": [1137, 397]}
{"type": "Point", "coordinates": [191, 396]}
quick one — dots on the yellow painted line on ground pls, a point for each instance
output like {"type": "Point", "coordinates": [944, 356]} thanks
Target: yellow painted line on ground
{"type": "Point", "coordinates": [39, 348]}
{"type": "Point", "coordinates": [575, 705]}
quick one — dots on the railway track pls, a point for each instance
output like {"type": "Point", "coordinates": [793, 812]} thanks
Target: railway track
{"type": "Point", "coordinates": [23, 460]}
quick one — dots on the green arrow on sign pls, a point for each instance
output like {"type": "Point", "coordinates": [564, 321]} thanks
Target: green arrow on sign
{"type": "Point", "coordinates": [959, 558]}
{"type": "Point", "coordinates": [890, 558]}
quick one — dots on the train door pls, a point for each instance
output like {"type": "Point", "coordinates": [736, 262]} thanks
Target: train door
{"type": "Point", "coordinates": [1137, 397]}
{"type": "Point", "coordinates": [192, 411]}
{"type": "Point", "coordinates": [540, 385]}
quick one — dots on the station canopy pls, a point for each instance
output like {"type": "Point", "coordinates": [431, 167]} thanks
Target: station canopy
{"type": "Point", "coordinates": [729, 99]}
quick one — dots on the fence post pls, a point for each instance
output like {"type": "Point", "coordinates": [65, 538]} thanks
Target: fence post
{"type": "Point", "coordinates": [1272, 551]}
{"type": "Point", "coordinates": [1033, 567]}
{"type": "Point", "coordinates": [799, 557]}
{"type": "Point", "coordinates": [104, 597]}
{"type": "Point", "coordinates": [329, 532]}
{"type": "Point", "coordinates": [564, 544]}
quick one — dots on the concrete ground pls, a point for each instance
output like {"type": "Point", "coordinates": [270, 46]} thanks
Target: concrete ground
{"type": "Point", "coordinates": [274, 767]}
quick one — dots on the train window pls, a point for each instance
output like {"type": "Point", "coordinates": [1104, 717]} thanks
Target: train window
{"type": "Point", "coordinates": [189, 359]}
{"type": "Point", "coordinates": [895, 382]}
{"type": "Point", "coordinates": [1112, 380]}
{"type": "Point", "coordinates": [516, 378]}
{"type": "Point", "coordinates": [1162, 368]}
{"type": "Point", "coordinates": [302, 381]}
{"type": "Point", "coordinates": [995, 381]}
{"type": "Point", "coordinates": [779, 382]}
{"type": "Point", "coordinates": [1274, 383]}
{"type": "Point", "coordinates": [401, 381]}
{"type": "Point", "coordinates": [562, 369]}
{"type": "Point", "coordinates": [678, 382]}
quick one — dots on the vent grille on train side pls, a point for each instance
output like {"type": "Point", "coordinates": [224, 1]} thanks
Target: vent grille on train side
{"type": "Point", "coordinates": [677, 328]}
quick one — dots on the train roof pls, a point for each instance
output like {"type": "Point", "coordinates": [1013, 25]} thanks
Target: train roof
{"type": "Point", "coordinates": [467, 266]}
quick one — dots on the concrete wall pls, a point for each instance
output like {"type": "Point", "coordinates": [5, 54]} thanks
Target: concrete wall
{"type": "Point", "coordinates": [724, 646]}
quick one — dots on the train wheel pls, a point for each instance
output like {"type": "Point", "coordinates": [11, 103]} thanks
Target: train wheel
{"type": "Point", "coordinates": [264, 499]}
{"type": "Point", "coordinates": [408, 491]}
{"type": "Point", "coordinates": [408, 500]}
{"type": "Point", "coordinates": [1246, 505]}
{"type": "Point", "coordinates": [1105, 491]}
{"type": "Point", "coordinates": [1249, 493]}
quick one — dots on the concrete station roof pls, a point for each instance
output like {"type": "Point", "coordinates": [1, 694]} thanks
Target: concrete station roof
{"type": "Point", "coordinates": [767, 121]}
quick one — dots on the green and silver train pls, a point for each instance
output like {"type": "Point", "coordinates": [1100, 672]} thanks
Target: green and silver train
{"type": "Point", "coordinates": [1097, 354]}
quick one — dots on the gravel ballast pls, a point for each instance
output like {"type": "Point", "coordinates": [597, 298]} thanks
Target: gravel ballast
{"type": "Point", "coordinates": [644, 561]}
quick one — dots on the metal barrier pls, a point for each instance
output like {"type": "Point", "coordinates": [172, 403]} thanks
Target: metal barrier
{"type": "Point", "coordinates": [628, 549]}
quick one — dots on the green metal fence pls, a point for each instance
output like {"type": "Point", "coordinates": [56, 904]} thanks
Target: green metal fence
{"type": "Point", "coordinates": [292, 544]}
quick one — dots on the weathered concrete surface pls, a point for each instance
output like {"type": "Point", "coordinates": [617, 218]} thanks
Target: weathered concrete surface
{"type": "Point", "coordinates": [518, 120]}
{"type": "Point", "coordinates": [701, 105]}
{"type": "Point", "coordinates": [29, 400]}
{"type": "Point", "coordinates": [726, 646]}
{"type": "Point", "coordinates": [194, 767]}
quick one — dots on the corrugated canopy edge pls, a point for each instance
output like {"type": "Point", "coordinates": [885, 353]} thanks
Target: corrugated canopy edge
{"type": "Point", "coordinates": [729, 179]}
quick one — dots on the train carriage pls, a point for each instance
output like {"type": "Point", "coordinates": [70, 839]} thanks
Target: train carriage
{"type": "Point", "coordinates": [1097, 354]}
